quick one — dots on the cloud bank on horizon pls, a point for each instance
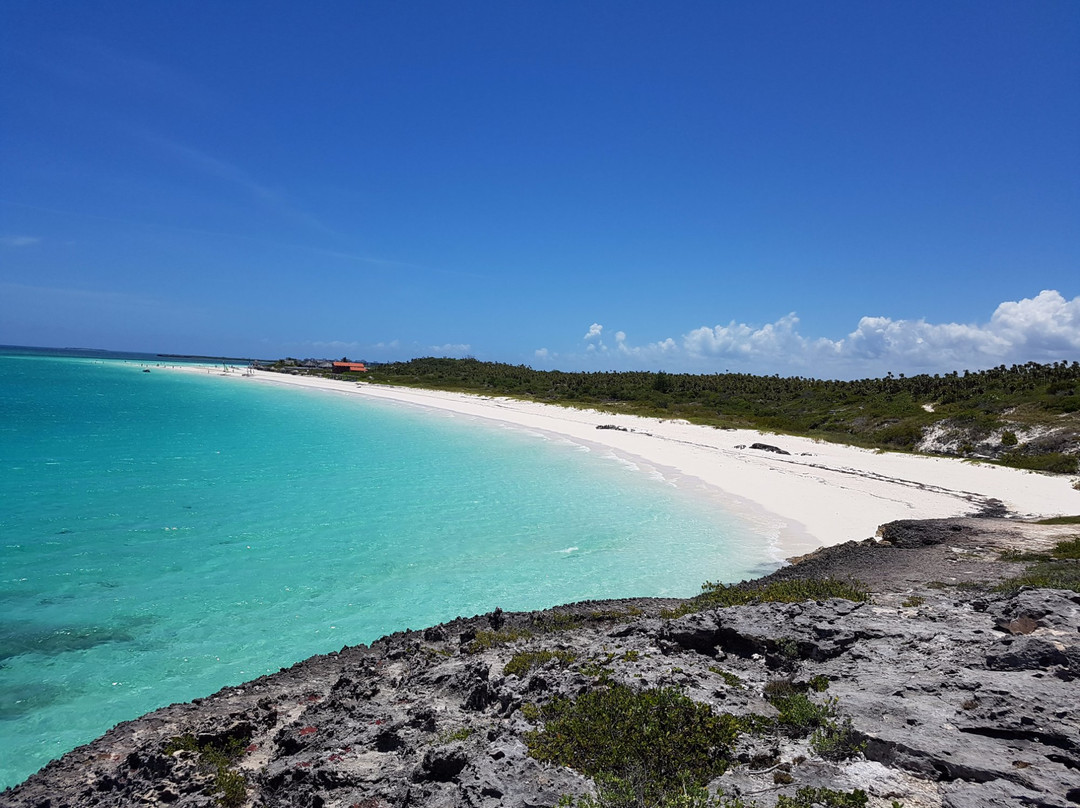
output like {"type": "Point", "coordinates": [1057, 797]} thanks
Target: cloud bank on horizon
{"type": "Point", "coordinates": [1045, 328]}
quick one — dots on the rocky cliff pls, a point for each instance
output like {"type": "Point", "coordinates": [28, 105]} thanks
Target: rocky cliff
{"type": "Point", "coordinates": [935, 691]}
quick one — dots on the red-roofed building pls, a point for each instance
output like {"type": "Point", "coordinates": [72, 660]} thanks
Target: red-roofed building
{"type": "Point", "coordinates": [349, 367]}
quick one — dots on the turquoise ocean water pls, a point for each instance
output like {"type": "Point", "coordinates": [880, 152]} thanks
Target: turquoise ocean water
{"type": "Point", "coordinates": [165, 534]}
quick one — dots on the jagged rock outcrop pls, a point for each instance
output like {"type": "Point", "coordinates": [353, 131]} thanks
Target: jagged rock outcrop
{"type": "Point", "coordinates": [960, 699]}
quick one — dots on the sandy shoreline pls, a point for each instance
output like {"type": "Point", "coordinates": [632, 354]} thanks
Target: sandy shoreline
{"type": "Point", "coordinates": [821, 494]}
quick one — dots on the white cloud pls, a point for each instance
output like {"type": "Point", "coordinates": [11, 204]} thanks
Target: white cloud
{"type": "Point", "coordinates": [542, 353]}
{"type": "Point", "coordinates": [738, 340]}
{"type": "Point", "coordinates": [452, 348]}
{"type": "Point", "coordinates": [19, 241]}
{"type": "Point", "coordinates": [647, 354]}
{"type": "Point", "coordinates": [594, 331]}
{"type": "Point", "coordinates": [1046, 325]}
{"type": "Point", "coordinates": [1044, 328]}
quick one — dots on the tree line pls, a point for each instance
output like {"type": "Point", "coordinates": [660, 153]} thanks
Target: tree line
{"type": "Point", "coordinates": [888, 412]}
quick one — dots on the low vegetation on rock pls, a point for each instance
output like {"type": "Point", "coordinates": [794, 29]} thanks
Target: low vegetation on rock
{"type": "Point", "coordinates": [218, 754]}
{"type": "Point", "coordinates": [1058, 569]}
{"type": "Point", "coordinates": [521, 663]}
{"type": "Point", "coordinates": [714, 595]}
{"type": "Point", "coordinates": [651, 743]}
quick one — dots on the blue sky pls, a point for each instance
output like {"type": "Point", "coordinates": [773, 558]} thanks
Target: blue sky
{"type": "Point", "coordinates": [832, 189]}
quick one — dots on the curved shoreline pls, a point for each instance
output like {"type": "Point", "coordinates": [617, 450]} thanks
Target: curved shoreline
{"type": "Point", "coordinates": [820, 494]}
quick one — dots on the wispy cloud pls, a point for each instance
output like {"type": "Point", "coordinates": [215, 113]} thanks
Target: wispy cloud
{"type": "Point", "coordinates": [382, 350]}
{"type": "Point", "coordinates": [385, 263]}
{"type": "Point", "coordinates": [392, 264]}
{"type": "Point", "coordinates": [388, 349]}
{"type": "Point", "coordinates": [232, 174]}
{"type": "Point", "coordinates": [19, 241]}
{"type": "Point", "coordinates": [93, 299]}
{"type": "Point", "coordinates": [91, 65]}
{"type": "Point", "coordinates": [1044, 328]}
{"type": "Point", "coordinates": [334, 346]}
{"type": "Point", "coordinates": [109, 74]}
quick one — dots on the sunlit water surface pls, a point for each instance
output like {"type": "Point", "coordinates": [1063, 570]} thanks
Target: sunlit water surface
{"type": "Point", "coordinates": [165, 534]}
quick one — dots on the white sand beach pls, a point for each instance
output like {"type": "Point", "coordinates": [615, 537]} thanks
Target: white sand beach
{"type": "Point", "coordinates": [818, 495]}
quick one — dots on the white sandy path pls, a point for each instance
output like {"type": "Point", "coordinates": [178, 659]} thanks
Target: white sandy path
{"type": "Point", "coordinates": [821, 494]}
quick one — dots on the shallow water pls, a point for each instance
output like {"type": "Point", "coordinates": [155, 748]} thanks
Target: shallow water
{"type": "Point", "coordinates": [165, 534]}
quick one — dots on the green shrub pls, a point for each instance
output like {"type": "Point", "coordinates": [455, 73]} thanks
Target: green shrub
{"type": "Point", "coordinates": [521, 663]}
{"type": "Point", "coordinates": [459, 734]}
{"type": "Point", "coordinates": [233, 788]}
{"type": "Point", "coordinates": [1008, 438]}
{"type": "Point", "coordinates": [1055, 462]}
{"type": "Point", "coordinates": [808, 796]}
{"type": "Point", "coordinates": [787, 647]}
{"type": "Point", "coordinates": [1069, 548]}
{"type": "Point", "coordinates": [545, 624]}
{"type": "Point", "coordinates": [1056, 574]}
{"type": "Point", "coordinates": [837, 740]}
{"type": "Point", "coordinates": [1065, 404]}
{"type": "Point", "coordinates": [1020, 555]}
{"type": "Point", "coordinates": [1063, 550]}
{"type": "Point", "coordinates": [903, 435]}
{"type": "Point", "coordinates": [793, 591]}
{"type": "Point", "coordinates": [186, 743]}
{"type": "Point", "coordinates": [780, 689]}
{"type": "Point", "coordinates": [655, 742]}
{"type": "Point", "coordinates": [615, 614]}
{"type": "Point", "coordinates": [218, 754]}
{"type": "Point", "coordinates": [562, 621]}
{"type": "Point", "coordinates": [489, 639]}
{"type": "Point", "coordinates": [598, 667]}
{"type": "Point", "coordinates": [799, 716]}
{"type": "Point", "coordinates": [730, 679]}
{"type": "Point", "coordinates": [616, 793]}
{"type": "Point", "coordinates": [796, 590]}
